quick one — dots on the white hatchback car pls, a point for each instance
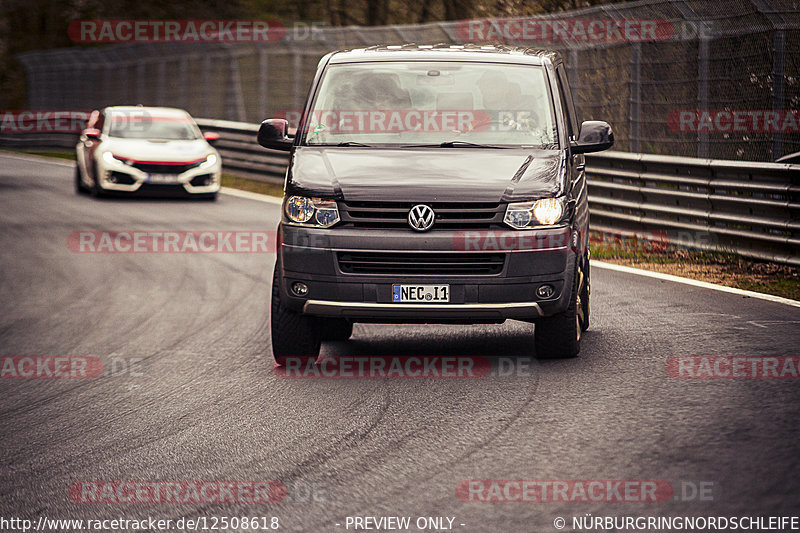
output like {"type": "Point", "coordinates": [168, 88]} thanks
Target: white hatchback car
{"type": "Point", "coordinates": [148, 150]}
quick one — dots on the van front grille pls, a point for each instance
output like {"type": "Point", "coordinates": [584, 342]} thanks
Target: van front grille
{"type": "Point", "coordinates": [417, 263]}
{"type": "Point", "coordinates": [448, 215]}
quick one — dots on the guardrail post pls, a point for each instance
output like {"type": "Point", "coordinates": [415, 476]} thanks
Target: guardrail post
{"type": "Point", "coordinates": [123, 80]}
{"type": "Point", "coordinates": [107, 97]}
{"type": "Point", "coordinates": [635, 98]}
{"type": "Point", "coordinates": [140, 83]}
{"type": "Point", "coordinates": [572, 70]}
{"type": "Point", "coordinates": [703, 46]}
{"type": "Point", "coordinates": [183, 76]}
{"type": "Point", "coordinates": [263, 82]}
{"type": "Point", "coordinates": [778, 66]}
{"type": "Point", "coordinates": [778, 83]}
{"type": "Point", "coordinates": [32, 97]}
{"type": "Point", "coordinates": [297, 88]}
{"type": "Point", "coordinates": [162, 75]}
{"type": "Point", "coordinates": [235, 101]}
{"type": "Point", "coordinates": [93, 96]}
{"type": "Point", "coordinates": [206, 83]}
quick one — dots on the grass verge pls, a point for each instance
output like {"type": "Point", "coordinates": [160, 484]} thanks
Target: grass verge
{"type": "Point", "coordinates": [721, 268]}
{"type": "Point", "coordinates": [244, 184]}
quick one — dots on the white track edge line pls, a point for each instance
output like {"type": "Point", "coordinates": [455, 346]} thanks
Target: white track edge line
{"type": "Point", "coordinates": [251, 195]}
{"type": "Point", "coordinates": [695, 283]}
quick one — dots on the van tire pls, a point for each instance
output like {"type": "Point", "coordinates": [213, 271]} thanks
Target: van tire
{"type": "Point", "coordinates": [559, 336]}
{"type": "Point", "coordinates": [292, 334]}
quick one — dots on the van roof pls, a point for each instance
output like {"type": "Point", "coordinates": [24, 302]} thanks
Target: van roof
{"type": "Point", "coordinates": [496, 53]}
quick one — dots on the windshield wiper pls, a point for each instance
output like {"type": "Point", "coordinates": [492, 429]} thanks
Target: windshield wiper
{"type": "Point", "coordinates": [455, 144]}
{"type": "Point", "coordinates": [344, 143]}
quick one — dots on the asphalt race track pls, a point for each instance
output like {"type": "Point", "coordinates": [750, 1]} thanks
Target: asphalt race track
{"type": "Point", "coordinates": [204, 402]}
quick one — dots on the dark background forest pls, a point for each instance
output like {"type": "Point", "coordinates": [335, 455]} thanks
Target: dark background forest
{"type": "Point", "coordinates": [27, 25]}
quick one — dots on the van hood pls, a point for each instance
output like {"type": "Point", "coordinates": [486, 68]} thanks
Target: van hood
{"type": "Point", "coordinates": [426, 174]}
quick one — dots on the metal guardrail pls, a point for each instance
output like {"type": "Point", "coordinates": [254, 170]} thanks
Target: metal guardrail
{"type": "Point", "coordinates": [752, 209]}
{"type": "Point", "coordinates": [39, 141]}
{"type": "Point", "coordinates": [242, 155]}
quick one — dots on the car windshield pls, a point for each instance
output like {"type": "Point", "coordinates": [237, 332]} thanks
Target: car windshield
{"type": "Point", "coordinates": [432, 103]}
{"type": "Point", "coordinates": [143, 125]}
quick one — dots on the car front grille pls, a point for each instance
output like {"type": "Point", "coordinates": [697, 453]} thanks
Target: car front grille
{"type": "Point", "coordinates": [449, 215]}
{"type": "Point", "coordinates": [162, 189]}
{"type": "Point", "coordinates": [165, 168]}
{"type": "Point", "coordinates": [417, 263]}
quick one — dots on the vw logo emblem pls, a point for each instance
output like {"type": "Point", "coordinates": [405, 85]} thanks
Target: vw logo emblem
{"type": "Point", "coordinates": [420, 218]}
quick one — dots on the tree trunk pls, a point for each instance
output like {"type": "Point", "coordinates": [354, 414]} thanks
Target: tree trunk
{"type": "Point", "coordinates": [458, 9]}
{"type": "Point", "coordinates": [425, 13]}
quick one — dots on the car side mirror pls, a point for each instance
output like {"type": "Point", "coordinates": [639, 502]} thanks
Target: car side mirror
{"type": "Point", "coordinates": [273, 134]}
{"type": "Point", "coordinates": [91, 133]}
{"type": "Point", "coordinates": [211, 137]}
{"type": "Point", "coordinates": [595, 136]}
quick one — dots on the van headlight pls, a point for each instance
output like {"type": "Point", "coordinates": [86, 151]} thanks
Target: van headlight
{"type": "Point", "coordinates": [544, 212]}
{"type": "Point", "coordinates": [315, 212]}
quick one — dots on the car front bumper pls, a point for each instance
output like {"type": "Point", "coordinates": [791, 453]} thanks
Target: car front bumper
{"type": "Point", "coordinates": [313, 256]}
{"type": "Point", "coordinates": [121, 178]}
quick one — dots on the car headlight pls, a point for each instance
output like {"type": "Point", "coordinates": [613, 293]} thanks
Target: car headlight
{"type": "Point", "coordinates": [311, 211]}
{"type": "Point", "coordinates": [544, 212]}
{"type": "Point", "coordinates": [210, 161]}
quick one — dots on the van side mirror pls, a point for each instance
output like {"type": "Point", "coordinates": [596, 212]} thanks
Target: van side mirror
{"type": "Point", "coordinates": [211, 137]}
{"type": "Point", "coordinates": [91, 133]}
{"type": "Point", "coordinates": [273, 134]}
{"type": "Point", "coordinates": [595, 136]}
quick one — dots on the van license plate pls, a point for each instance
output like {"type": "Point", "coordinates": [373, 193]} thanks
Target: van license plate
{"type": "Point", "coordinates": [420, 293]}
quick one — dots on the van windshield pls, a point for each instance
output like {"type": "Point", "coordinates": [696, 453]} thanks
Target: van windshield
{"type": "Point", "coordinates": [430, 103]}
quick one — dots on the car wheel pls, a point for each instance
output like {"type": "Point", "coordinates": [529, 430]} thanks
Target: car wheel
{"type": "Point", "coordinates": [335, 329]}
{"type": "Point", "coordinates": [294, 335]}
{"type": "Point", "coordinates": [584, 296]}
{"type": "Point", "coordinates": [80, 188]}
{"type": "Point", "coordinates": [559, 336]}
{"type": "Point", "coordinates": [97, 190]}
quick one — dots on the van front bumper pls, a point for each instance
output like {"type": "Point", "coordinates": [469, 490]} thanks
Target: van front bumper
{"type": "Point", "coordinates": [314, 257]}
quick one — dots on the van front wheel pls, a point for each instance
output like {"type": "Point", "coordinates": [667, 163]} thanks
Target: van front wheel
{"type": "Point", "coordinates": [559, 336]}
{"type": "Point", "coordinates": [294, 335]}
